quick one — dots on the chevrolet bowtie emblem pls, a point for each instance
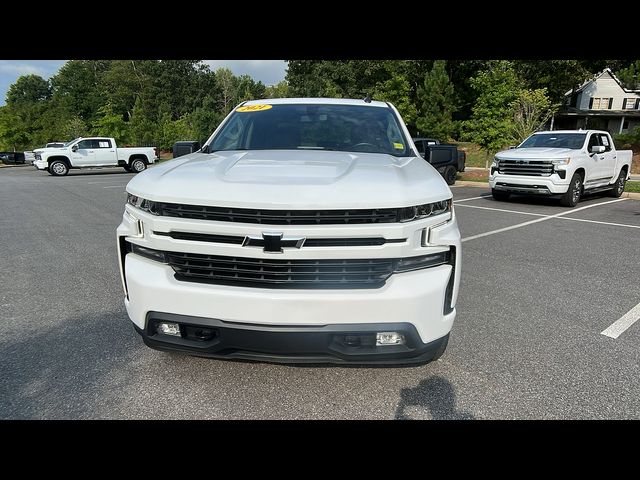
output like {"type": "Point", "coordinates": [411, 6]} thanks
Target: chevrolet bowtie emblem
{"type": "Point", "coordinates": [273, 242]}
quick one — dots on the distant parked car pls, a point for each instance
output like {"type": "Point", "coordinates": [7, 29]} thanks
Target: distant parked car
{"type": "Point", "coordinates": [12, 157]}
{"type": "Point", "coordinates": [447, 159]}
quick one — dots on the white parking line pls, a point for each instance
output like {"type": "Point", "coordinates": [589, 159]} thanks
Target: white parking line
{"type": "Point", "coordinates": [472, 198]}
{"type": "Point", "coordinates": [98, 183]}
{"type": "Point", "coordinates": [618, 327]}
{"type": "Point", "coordinates": [559, 218]}
{"type": "Point", "coordinates": [601, 223]}
{"type": "Point", "coordinates": [537, 220]}
{"type": "Point", "coordinates": [504, 210]}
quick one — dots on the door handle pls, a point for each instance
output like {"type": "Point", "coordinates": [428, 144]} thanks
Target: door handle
{"type": "Point", "coordinates": [614, 157]}
{"type": "Point", "coordinates": [112, 151]}
{"type": "Point", "coordinates": [90, 151]}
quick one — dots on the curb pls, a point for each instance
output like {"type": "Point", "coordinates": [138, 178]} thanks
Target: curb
{"type": "Point", "coordinates": [632, 195]}
{"type": "Point", "coordinates": [11, 165]}
{"type": "Point", "coordinates": [469, 183]}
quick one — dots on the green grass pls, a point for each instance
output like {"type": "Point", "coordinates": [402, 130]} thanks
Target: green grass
{"type": "Point", "coordinates": [632, 187]}
{"type": "Point", "coordinates": [475, 156]}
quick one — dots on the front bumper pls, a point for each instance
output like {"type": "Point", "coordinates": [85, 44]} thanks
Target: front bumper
{"type": "Point", "coordinates": [551, 185]}
{"type": "Point", "coordinates": [335, 343]}
{"type": "Point", "coordinates": [40, 164]}
{"type": "Point", "coordinates": [417, 298]}
{"type": "Point", "coordinates": [422, 300]}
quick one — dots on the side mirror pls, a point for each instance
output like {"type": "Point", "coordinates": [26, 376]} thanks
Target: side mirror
{"type": "Point", "coordinates": [74, 148]}
{"type": "Point", "coordinates": [597, 149]}
{"type": "Point", "coordinates": [511, 147]}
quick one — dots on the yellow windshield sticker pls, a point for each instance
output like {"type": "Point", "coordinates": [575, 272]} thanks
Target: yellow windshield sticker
{"type": "Point", "coordinates": [398, 146]}
{"type": "Point", "coordinates": [253, 108]}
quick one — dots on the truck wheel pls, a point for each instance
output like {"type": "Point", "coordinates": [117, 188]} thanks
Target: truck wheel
{"type": "Point", "coordinates": [618, 187]}
{"type": "Point", "coordinates": [572, 197]}
{"type": "Point", "coordinates": [58, 168]}
{"type": "Point", "coordinates": [449, 175]}
{"type": "Point", "coordinates": [138, 165]}
{"type": "Point", "coordinates": [499, 195]}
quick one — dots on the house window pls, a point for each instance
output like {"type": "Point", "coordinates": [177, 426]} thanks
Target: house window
{"type": "Point", "coordinates": [600, 103]}
{"type": "Point", "coordinates": [630, 103]}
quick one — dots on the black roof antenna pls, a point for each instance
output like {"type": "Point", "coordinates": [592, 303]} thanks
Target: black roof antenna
{"type": "Point", "coordinates": [367, 99]}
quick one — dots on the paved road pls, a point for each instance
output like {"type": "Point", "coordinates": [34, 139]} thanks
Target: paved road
{"type": "Point", "coordinates": [527, 341]}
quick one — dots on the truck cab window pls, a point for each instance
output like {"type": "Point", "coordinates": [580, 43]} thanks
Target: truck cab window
{"type": "Point", "coordinates": [593, 141]}
{"type": "Point", "coordinates": [604, 140]}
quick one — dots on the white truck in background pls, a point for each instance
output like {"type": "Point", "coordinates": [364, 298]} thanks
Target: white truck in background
{"type": "Point", "coordinates": [93, 152]}
{"type": "Point", "coordinates": [563, 163]}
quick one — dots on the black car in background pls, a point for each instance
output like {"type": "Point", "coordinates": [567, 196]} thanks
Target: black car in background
{"type": "Point", "coordinates": [12, 157]}
{"type": "Point", "coordinates": [445, 158]}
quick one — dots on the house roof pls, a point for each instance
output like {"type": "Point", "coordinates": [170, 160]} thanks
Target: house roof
{"type": "Point", "coordinates": [596, 77]}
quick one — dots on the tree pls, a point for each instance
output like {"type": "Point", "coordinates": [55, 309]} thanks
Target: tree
{"type": "Point", "coordinates": [630, 76]}
{"type": "Point", "coordinates": [491, 123]}
{"type": "Point", "coordinates": [28, 89]}
{"type": "Point", "coordinates": [557, 76]}
{"type": "Point", "coordinates": [279, 90]}
{"type": "Point", "coordinates": [397, 90]}
{"type": "Point", "coordinates": [437, 104]}
{"type": "Point", "coordinates": [531, 111]}
{"type": "Point", "coordinates": [110, 124]}
{"type": "Point", "coordinates": [13, 134]}
{"type": "Point", "coordinates": [74, 128]}
{"type": "Point", "coordinates": [224, 77]}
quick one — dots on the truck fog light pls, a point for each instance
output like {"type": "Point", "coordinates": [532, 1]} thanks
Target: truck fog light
{"type": "Point", "coordinates": [389, 338]}
{"type": "Point", "coordinates": [169, 328]}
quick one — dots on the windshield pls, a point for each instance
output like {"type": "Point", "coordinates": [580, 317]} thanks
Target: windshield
{"type": "Point", "coordinates": [574, 141]}
{"type": "Point", "coordinates": [71, 141]}
{"type": "Point", "coordinates": [348, 128]}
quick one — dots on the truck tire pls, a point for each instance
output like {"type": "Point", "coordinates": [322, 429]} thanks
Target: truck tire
{"type": "Point", "coordinates": [574, 192]}
{"type": "Point", "coordinates": [618, 187]}
{"type": "Point", "coordinates": [138, 165]}
{"type": "Point", "coordinates": [58, 168]}
{"type": "Point", "coordinates": [449, 175]}
{"type": "Point", "coordinates": [500, 195]}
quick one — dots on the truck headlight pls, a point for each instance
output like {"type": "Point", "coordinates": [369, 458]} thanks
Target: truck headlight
{"type": "Point", "coordinates": [423, 211]}
{"type": "Point", "coordinates": [561, 162]}
{"type": "Point", "coordinates": [142, 204]}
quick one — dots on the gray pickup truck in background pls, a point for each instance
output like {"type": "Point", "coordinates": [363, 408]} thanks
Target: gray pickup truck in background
{"type": "Point", "coordinates": [445, 158]}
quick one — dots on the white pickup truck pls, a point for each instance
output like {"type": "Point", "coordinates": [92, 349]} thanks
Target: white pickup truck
{"type": "Point", "coordinates": [305, 230]}
{"type": "Point", "coordinates": [562, 163]}
{"type": "Point", "coordinates": [93, 152]}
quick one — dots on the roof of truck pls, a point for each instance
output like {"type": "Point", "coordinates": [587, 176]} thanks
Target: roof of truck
{"type": "Point", "coordinates": [323, 101]}
{"type": "Point", "coordinates": [572, 131]}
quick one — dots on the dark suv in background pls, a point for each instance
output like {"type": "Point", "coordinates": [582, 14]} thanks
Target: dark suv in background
{"type": "Point", "coordinates": [445, 158]}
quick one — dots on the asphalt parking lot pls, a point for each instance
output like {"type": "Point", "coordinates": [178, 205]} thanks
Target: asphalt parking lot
{"type": "Point", "coordinates": [540, 284]}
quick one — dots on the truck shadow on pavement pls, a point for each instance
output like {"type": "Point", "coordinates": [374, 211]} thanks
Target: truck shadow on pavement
{"type": "Point", "coordinates": [434, 395]}
{"type": "Point", "coordinates": [75, 369]}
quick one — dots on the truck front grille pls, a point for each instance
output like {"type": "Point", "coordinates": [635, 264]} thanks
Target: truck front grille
{"type": "Point", "coordinates": [281, 217]}
{"type": "Point", "coordinates": [267, 273]}
{"type": "Point", "coordinates": [532, 168]}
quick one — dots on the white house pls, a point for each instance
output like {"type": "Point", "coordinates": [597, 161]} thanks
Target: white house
{"type": "Point", "coordinates": [600, 103]}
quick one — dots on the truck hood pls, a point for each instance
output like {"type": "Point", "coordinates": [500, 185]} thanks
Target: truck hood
{"type": "Point", "coordinates": [535, 153]}
{"type": "Point", "coordinates": [298, 178]}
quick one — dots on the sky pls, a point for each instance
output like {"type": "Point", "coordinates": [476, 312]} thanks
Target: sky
{"type": "Point", "coordinates": [269, 72]}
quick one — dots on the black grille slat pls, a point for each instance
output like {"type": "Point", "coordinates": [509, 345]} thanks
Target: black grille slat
{"type": "Point", "coordinates": [267, 273]}
{"type": "Point", "coordinates": [309, 242]}
{"type": "Point", "coordinates": [279, 217]}
{"type": "Point", "coordinates": [533, 168]}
